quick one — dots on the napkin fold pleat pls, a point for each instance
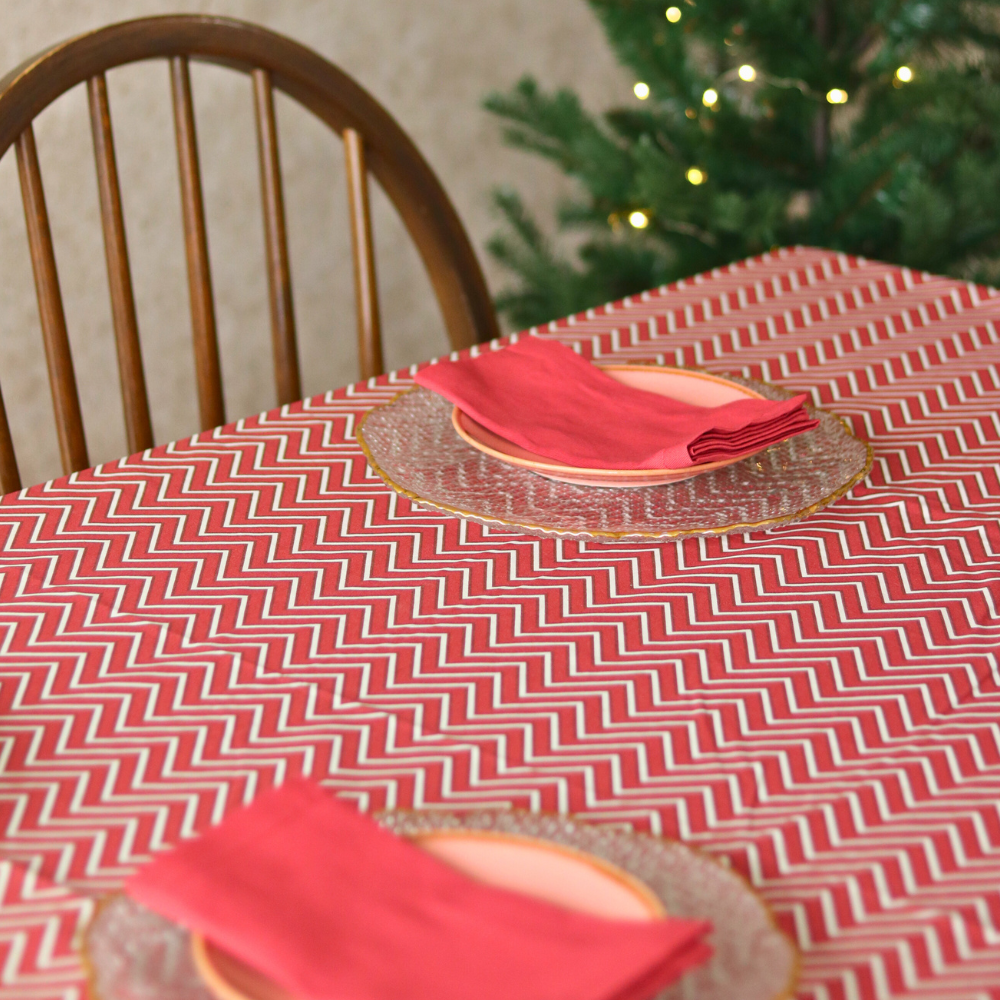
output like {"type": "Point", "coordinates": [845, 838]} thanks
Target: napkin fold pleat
{"type": "Point", "coordinates": [716, 445]}
{"type": "Point", "coordinates": [544, 397]}
{"type": "Point", "coordinates": [331, 906]}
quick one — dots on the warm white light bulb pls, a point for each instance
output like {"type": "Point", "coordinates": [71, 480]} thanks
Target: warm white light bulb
{"type": "Point", "coordinates": [641, 90]}
{"type": "Point", "coordinates": [904, 74]}
{"type": "Point", "coordinates": [709, 97]}
{"type": "Point", "coordinates": [638, 220]}
{"type": "Point", "coordinates": [696, 176]}
{"type": "Point", "coordinates": [673, 14]}
{"type": "Point", "coordinates": [747, 73]}
{"type": "Point", "coordinates": [837, 96]}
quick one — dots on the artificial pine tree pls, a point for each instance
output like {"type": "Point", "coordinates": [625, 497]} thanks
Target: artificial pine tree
{"type": "Point", "coordinates": [870, 126]}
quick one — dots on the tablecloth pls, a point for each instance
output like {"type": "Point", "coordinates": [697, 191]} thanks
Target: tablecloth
{"type": "Point", "coordinates": [817, 705]}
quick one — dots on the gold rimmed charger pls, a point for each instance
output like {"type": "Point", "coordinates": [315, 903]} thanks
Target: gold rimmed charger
{"type": "Point", "coordinates": [130, 951]}
{"type": "Point", "coordinates": [411, 443]}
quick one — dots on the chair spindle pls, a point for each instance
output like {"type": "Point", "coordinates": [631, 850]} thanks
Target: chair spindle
{"type": "Point", "coordinates": [138, 427]}
{"type": "Point", "coordinates": [206, 344]}
{"type": "Point", "coordinates": [10, 477]}
{"type": "Point", "coordinates": [65, 400]}
{"type": "Point", "coordinates": [279, 276]}
{"type": "Point", "coordinates": [365, 287]}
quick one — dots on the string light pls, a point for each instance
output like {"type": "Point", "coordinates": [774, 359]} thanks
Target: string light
{"type": "Point", "coordinates": [690, 113]}
{"type": "Point", "coordinates": [641, 90]}
{"type": "Point", "coordinates": [638, 219]}
{"type": "Point", "coordinates": [747, 73]}
{"type": "Point", "coordinates": [836, 96]}
{"type": "Point", "coordinates": [904, 74]}
{"type": "Point", "coordinates": [696, 176]}
{"type": "Point", "coordinates": [710, 97]}
{"type": "Point", "coordinates": [673, 14]}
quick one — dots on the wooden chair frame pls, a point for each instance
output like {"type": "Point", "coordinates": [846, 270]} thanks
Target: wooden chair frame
{"type": "Point", "coordinates": [373, 141]}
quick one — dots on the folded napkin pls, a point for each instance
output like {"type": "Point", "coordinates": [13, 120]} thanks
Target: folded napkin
{"type": "Point", "coordinates": [332, 907]}
{"type": "Point", "coordinates": [539, 394]}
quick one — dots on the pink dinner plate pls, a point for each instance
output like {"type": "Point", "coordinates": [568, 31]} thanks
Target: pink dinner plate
{"type": "Point", "coordinates": [696, 388]}
{"type": "Point", "coordinates": [544, 869]}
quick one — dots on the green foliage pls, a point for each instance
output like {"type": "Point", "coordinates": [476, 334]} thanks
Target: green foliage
{"type": "Point", "coordinates": [907, 172]}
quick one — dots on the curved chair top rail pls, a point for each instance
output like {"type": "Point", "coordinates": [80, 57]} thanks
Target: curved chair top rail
{"type": "Point", "coordinates": [307, 77]}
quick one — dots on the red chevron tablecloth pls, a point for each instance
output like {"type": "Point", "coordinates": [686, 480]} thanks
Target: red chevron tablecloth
{"type": "Point", "coordinates": [817, 704]}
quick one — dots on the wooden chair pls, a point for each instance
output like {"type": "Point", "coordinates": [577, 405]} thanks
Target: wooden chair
{"type": "Point", "coordinates": [372, 141]}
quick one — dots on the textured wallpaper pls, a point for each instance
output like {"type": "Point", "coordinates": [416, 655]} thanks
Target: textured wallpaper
{"type": "Point", "coordinates": [428, 61]}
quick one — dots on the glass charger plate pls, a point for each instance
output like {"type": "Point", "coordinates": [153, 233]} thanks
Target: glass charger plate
{"type": "Point", "coordinates": [133, 954]}
{"type": "Point", "coordinates": [411, 444]}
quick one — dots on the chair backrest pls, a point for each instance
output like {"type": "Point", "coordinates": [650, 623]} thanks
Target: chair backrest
{"type": "Point", "coordinates": [372, 141]}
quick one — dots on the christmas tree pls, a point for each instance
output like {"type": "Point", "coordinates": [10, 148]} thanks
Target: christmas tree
{"type": "Point", "coordinates": [869, 126]}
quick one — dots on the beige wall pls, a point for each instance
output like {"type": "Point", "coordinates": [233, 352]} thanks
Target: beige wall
{"type": "Point", "coordinates": [428, 61]}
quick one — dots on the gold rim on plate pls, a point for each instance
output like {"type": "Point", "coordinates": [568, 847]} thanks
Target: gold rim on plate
{"type": "Point", "coordinates": [615, 872]}
{"type": "Point", "coordinates": [548, 467]}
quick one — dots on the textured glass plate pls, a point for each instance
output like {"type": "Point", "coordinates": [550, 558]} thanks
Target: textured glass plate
{"type": "Point", "coordinates": [133, 954]}
{"type": "Point", "coordinates": [411, 444]}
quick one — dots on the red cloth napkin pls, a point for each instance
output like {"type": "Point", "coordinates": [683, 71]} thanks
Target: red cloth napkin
{"type": "Point", "coordinates": [544, 397]}
{"type": "Point", "coordinates": [329, 905]}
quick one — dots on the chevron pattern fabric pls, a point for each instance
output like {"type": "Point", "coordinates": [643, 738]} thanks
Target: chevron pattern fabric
{"type": "Point", "coordinates": [39, 925]}
{"type": "Point", "coordinates": [817, 705]}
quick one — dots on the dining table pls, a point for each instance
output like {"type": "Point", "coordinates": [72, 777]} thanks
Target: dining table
{"type": "Point", "coordinates": [814, 703]}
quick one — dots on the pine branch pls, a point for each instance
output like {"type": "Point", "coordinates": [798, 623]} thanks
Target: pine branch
{"type": "Point", "coordinates": [909, 171]}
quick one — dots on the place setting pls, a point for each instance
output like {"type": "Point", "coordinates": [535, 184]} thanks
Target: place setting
{"type": "Point", "coordinates": [534, 438]}
{"type": "Point", "coordinates": [299, 896]}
